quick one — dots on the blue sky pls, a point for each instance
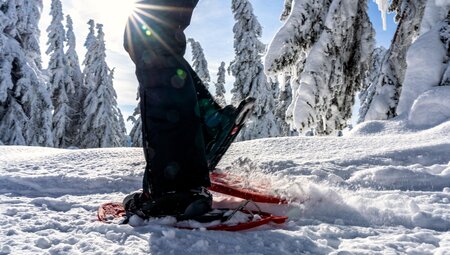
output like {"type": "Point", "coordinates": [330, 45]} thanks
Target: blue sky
{"type": "Point", "coordinates": [211, 25]}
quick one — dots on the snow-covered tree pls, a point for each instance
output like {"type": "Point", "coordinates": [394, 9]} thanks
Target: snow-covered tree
{"type": "Point", "coordinates": [303, 26]}
{"type": "Point", "coordinates": [59, 80]}
{"type": "Point", "coordinates": [12, 115]}
{"type": "Point", "coordinates": [74, 80]}
{"type": "Point", "coordinates": [289, 49]}
{"type": "Point", "coordinates": [274, 85]}
{"type": "Point", "coordinates": [283, 100]}
{"type": "Point", "coordinates": [370, 82]}
{"type": "Point", "coordinates": [88, 77]}
{"type": "Point", "coordinates": [39, 128]}
{"type": "Point", "coordinates": [287, 10]}
{"type": "Point", "coordinates": [136, 131]}
{"type": "Point", "coordinates": [120, 130]}
{"type": "Point", "coordinates": [25, 105]}
{"type": "Point", "coordinates": [248, 70]}
{"type": "Point", "coordinates": [103, 122]}
{"type": "Point", "coordinates": [90, 57]}
{"type": "Point", "coordinates": [445, 38]}
{"type": "Point", "coordinates": [284, 75]}
{"type": "Point", "coordinates": [220, 85]}
{"type": "Point", "coordinates": [389, 84]}
{"type": "Point", "coordinates": [328, 44]}
{"type": "Point", "coordinates": [425, 93]}
{"type": "Point", "coordinates": [200, 64]}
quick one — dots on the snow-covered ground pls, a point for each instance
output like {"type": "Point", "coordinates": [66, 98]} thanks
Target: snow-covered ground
{"type": "Point", "coordinates": [384, 188]}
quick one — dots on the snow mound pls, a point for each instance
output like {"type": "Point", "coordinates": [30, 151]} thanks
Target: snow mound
{"type": "Point", "coordinates": [378, 127]}
{"type": "Point", "coordinates": [433, 119]}
{"type": "Point", "coordinates": [431, 108]}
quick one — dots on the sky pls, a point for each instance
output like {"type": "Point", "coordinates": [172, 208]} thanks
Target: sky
{"type": "Point", "coordinates": [212, 25]}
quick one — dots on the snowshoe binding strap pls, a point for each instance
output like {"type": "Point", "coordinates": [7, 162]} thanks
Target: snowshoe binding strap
{"type": "Point", "coordinates": [241, 208]}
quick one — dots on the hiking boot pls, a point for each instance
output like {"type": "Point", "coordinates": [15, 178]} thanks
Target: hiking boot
{"type": "Point", "coordinates": [181, 204]}
{"type": "Point", "coordinates": [201, 203]}
{"type": "Point", "coordinates": [134, 202]}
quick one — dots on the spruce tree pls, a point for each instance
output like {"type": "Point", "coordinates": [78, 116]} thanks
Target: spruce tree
{"type": "Point", "coordinates": [304, 22]}
{"type": "Point", "coordinates": [248, 70]}
{"type": "Point", "coordinates": [200, 64]}
{"type": "Point", "coordinates": [59, 80]}
{"type": "Point", "coordinates": [289, 48]}
{"type": "Point", "coordinates": [75, 81]}
{"type": "Point", "coordinates": [39, 128]}
{"type": "Point", "coordinates": [409, 15]}
{"type": "Point", "coordinates": [220, 86]}
{"type": "Point", "coordinates": [13, 117]}
{"type": "Point", "coordinates": [287, 10]}
{"type": "Point", "coordinates": [89, 58]}
{"type": "Point", "coordinates": [370, 82]}
{"type": "Point", "coordinates": [445, 38]}
{"type": "Point", "coordinates": [328, 44]}
{"type": "Point", "coordinates": [136, 131]}
{"type": "Point", "coordinates": [103, 122]}
{"type": "Point", "coordinates": [120, 130]}
{"type": "Point", "coordinates": [25, 105]}
{"type": "Point", "coordinates": [88, 80]}
{"type": "Point", "coordinates": [284, 98]}
{"type": "Point", "coordinates": [428, 60]}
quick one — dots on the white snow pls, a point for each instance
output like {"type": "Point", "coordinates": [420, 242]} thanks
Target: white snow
{"type": "Point", "coordinates": [435, 12]}
{"type": "Point", "coordinates": [426, 60]}
{"type": "Point", "coordinates": [431, 108]}
{"type": "Point", "coordinates": [383, 188]}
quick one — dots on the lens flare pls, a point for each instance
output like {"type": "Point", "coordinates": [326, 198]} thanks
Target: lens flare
{"type": "Point", "coordinates": [143, 12]}
{"type": "Point", "coordinates": [181, 73]}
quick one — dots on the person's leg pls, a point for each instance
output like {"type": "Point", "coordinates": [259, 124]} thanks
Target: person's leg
{"type": "Point", "coordinates": [174, 144]}
{"type": "Point", "coordinates": [209, 110]}
{"type": "Point", "coordinates": [207, 103]}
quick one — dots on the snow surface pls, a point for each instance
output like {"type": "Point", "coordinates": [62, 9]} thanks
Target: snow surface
{"type": "Point", "coordinates": [383, 188]}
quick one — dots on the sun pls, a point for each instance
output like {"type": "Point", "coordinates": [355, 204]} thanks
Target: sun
{"type": "Point", "coordinates": [129, 6]}
{"type": "Point", "coordinates": [116, 12]}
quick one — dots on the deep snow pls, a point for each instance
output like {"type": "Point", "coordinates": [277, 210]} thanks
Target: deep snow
{"type": "Point", "coordinates": [383, 188]}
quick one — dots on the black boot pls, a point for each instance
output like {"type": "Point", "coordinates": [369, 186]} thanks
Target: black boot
{"type": "Point", "coordinates": [182, 204]}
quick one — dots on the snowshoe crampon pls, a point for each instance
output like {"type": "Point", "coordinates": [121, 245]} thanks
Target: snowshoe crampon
{"type": "Point", "coordinates": [219, 219]}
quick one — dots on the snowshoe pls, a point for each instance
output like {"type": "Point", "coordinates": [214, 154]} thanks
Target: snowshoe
{"type": "Point", "coordinates": [221, 129]}
{"type": "Point", "coordinates": [217, 219]}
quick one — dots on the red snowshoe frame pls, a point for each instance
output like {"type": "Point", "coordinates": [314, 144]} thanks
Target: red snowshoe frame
{"type": "Point", "coordinates": [109, 211]}
{"type": "Point", "coordinates": [221, 184]}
